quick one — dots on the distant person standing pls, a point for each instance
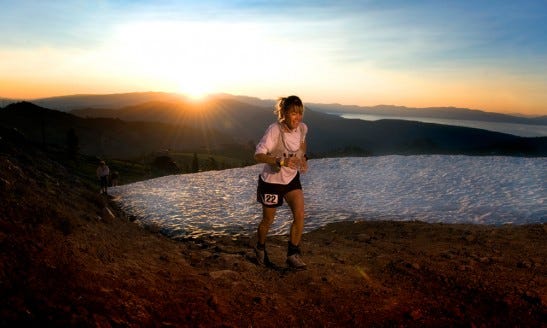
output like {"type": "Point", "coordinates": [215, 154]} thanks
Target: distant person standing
{"type": "Point", "coordinates": [102, 174]}
{"type": "Point", "coordinates": [283, 150]}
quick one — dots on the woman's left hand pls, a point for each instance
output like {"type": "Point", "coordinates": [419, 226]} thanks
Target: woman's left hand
{"type": "Point", "coordinates": [292, 162]}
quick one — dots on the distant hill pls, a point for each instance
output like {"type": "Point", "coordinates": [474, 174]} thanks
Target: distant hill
{"type": "Point", "coordinates": [110, 137]}
{"type": "Point", "coordinates": [241, 120]}
{"type": "Point", "coordinates": [115, 101]}
{"type": "Point", "coordinates": [68, 103]}
{"type": "Point", "coordinates": [385, 137]}
{"type": "Point", "coordinates": [227, 123]}
{"type": "Point", "coordinates": [6, 101]}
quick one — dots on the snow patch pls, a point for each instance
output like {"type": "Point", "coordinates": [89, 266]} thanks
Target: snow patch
{"type": "Point", "coordinates": [436, 188]}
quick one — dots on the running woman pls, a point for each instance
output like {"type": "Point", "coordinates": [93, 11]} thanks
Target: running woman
{"type": "Point", "coordinates": [283, 150]}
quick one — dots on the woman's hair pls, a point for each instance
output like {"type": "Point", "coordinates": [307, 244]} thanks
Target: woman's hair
{"type": "Point", "coordinates": [285, 105]}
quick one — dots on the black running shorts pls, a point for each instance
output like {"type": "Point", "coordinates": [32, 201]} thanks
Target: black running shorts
{"type": "Point", "coordinates": [272, 194]}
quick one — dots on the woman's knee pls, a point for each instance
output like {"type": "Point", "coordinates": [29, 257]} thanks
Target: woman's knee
{"type": "Point", "coordinates": [268, 214]}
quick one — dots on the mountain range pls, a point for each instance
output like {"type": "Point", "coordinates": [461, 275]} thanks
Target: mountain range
{"type": "Point", "coordinates": [129, 125]}
{"type": "Point", "coordinates": [72, 102]}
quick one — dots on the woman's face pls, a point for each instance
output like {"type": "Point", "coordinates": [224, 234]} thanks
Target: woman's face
{"type": "Point", "coordinates": [293, 118]}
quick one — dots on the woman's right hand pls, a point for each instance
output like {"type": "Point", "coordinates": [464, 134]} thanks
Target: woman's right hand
{"type": "Point", "coordinates": [292, 162]}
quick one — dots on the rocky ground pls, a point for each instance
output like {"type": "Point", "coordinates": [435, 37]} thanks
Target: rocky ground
{"type": "Point", "coordinates": [69, 258]}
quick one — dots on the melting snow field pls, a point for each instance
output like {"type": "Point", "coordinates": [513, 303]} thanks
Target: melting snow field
{"type": "Point", "coordinates": [450, 189]}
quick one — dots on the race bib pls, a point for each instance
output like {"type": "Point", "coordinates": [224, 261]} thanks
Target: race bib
{"type": "Point", "coordinates": [270, 199]}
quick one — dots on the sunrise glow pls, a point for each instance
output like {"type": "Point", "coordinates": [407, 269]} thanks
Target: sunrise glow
{"type": "Point", "coordinates": [416, 55]}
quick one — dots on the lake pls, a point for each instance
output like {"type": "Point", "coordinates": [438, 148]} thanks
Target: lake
{"type": "Point", "coordinates": [523, 130]}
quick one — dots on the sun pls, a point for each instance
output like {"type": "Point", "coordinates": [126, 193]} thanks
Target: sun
{"type": "Point", "coordinates": [194, 59]}
{"type": "Point", "coordinates": [195, 90]}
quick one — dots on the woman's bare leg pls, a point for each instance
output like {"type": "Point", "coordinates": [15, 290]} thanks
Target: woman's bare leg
{"type": "Point", "coordinates": [295, 200]}
{"type": "Point", "coordinates": [268, 215]}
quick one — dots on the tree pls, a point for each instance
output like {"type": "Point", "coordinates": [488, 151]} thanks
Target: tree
{"type": "Point", "coordinates": [165, 165]}
{"type": "Point", "coordinates": [213, 163]}
{"type": "Point", "coordinates": [195, 164]}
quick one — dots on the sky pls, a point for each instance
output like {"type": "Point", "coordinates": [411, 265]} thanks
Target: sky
{"type": "Point", "coordinates": [487, 55]}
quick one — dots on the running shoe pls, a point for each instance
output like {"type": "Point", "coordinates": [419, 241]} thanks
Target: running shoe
{"type": "Point", "coordinates": [294, 261]}
{"type": "Point", "coordinates": [261, 257]}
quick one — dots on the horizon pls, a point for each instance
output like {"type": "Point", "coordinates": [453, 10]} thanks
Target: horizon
{"type": "Point", "coordinates": [206, 97]}
{"type": "Point", "coordinates": [485, 56]}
